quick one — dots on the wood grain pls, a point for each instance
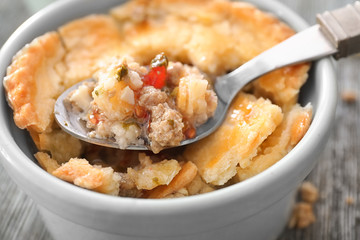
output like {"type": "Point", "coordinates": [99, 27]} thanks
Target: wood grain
{"type": "Point", "coordinates": [337, 174]}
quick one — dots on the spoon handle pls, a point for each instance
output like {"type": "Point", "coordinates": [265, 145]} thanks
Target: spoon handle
{"type": "Point", "coordinates": [338, 34]}
{"type": "Point", "coordinates": [342, 28]}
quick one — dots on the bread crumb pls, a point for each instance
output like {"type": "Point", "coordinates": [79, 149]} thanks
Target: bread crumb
{"type": "Point", "coordinates": [302, 216]}
{"type": "Point", "coordinates": [309, 192]}
{"type": "Point", "coordinates": [81, 173]}
{"type": "Point", "coordinates": [349, 96]}
{"type": "Point", "coordinates": [46, 162]}
{"type": "Point", "coordinates": [350, 201]}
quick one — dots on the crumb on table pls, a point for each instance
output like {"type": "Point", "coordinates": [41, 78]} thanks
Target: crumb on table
{"type": "Point", "coordinates": [349, 96]}
{"type": "Point", "coordinates": [350, 201]}
{"type": "Point", "coordinates": [302, 216]}
{"type": "Point", "coordinates": [309, 192]}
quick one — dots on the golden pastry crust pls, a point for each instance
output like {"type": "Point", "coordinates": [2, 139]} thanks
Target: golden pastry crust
{"type": "Point", "coordinates": [81, 173]}
{"type": "Point", "coordinates": [209, 34]}
{"type": "Point", "coordinates": [282, 86]}
{"type": "Point", "coordinates": [186, 175]}
{"type": "Point", "coordinates": [61, 145]}
{"type": "Point", "coordinates": [46, 162]}
{"type": "Point", "coordinates": [150, 175]}
{"type": "Point", "coordinates": [249, 122]}
{"type": "Point", "coordinates": [216, 36]}
{"type": "Point", "coordinates": [198, 186]}
{"type": "Point", "coordinates": [33, 82]}
{"type": "Point", "coordinates": [294, 126]}
{"type": "Point", "coordinates": [89, 42]}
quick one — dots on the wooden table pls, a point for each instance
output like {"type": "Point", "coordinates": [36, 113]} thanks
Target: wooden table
{"type": "Point", "coordinates": [337, 175]}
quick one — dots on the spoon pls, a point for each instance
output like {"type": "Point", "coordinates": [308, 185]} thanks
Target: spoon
{"type": "Point", "coordinates": [337, 33]}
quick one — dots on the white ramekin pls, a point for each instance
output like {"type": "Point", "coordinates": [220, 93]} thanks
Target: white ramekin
{"type": "Point", "coordinates": [257, 208]}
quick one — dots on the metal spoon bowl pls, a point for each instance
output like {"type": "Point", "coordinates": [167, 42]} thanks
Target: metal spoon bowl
{"type": "Point", "coordinates": [333, 35]}
{"type": "Point", "coordinates": [71, 122]}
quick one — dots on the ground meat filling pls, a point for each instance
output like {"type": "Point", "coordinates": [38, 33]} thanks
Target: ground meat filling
{"type": "Point", "coordinates": [166, 127]}
{"type": "Point", "coordinates": [150, 97]}
{"type": "Point", "coordinates": [159, 105]}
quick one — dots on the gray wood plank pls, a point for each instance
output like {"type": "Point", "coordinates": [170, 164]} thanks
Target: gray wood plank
{"type": "Point", "coordinates": [337, 173]}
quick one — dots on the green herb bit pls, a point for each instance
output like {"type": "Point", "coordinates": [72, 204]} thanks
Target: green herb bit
{"type": "Point", "coordinates": [126, 125]}
{"type": "Point", "coordinates": [156, 180]}
{"type": "Point", "coordinates": [159, 60]}
{"type": "Point", "coordinates": [98, 91]}
{"type": "Point", "coordinates": [174, 92]}
{"type": "Point", "coordinates": [171, 122]}
{"type": "Point", "coordinates": [121, 72]}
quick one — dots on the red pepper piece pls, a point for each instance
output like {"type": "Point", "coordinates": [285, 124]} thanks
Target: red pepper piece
{"type": "Point", "coordinates": [156, 77]}
{"type": "Point", "coordinates": [94, 118]}
{"type": "Point", "coordinates": [190, 133]}
{"type": "Point", "coordinates": [140, 112]}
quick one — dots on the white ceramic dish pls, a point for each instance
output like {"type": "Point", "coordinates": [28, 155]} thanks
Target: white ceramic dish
{"type": "Point", "coordinates": [257, 208]}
